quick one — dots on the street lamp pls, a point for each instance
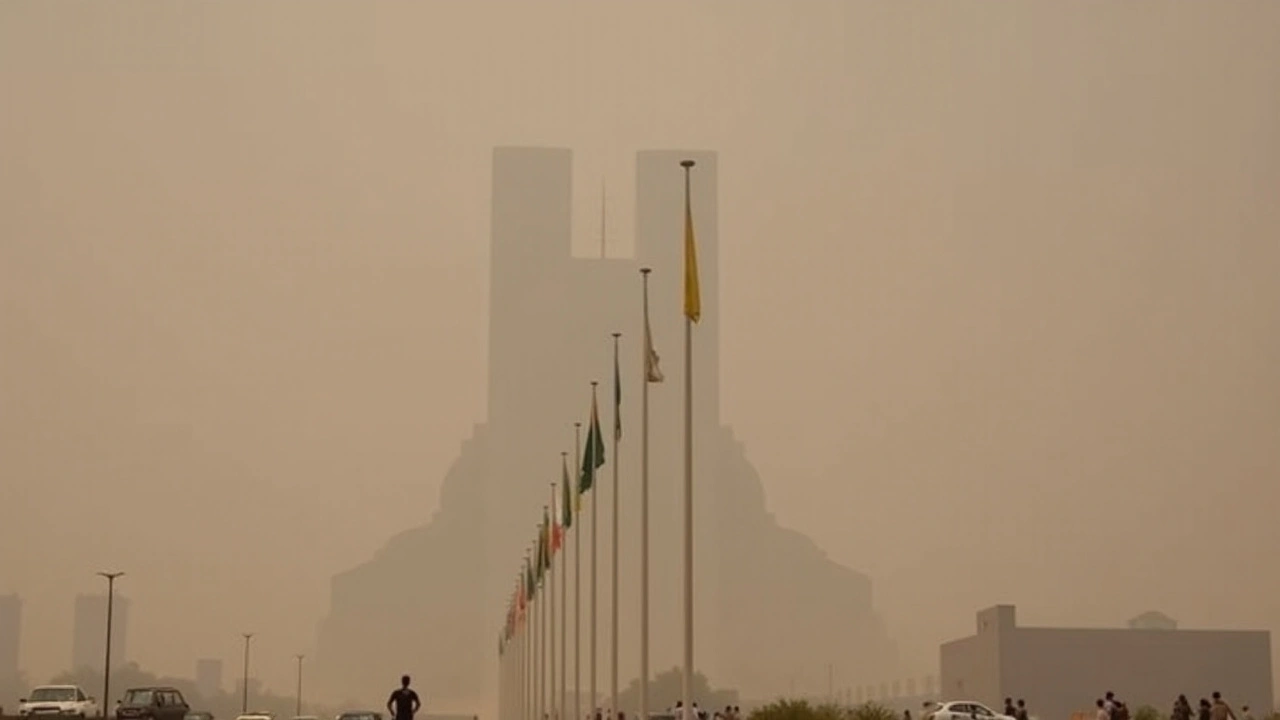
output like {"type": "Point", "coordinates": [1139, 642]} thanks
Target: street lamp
{"type": "Point", "coordinates": [244, 703]}
{"type": "Point", "coordinates": [106, 666]}
{"type": "Point", "coordinates": [298, 710]}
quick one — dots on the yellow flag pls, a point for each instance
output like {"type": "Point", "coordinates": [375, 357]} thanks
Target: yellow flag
{"type": "Point", "coordinates": [692, 296]}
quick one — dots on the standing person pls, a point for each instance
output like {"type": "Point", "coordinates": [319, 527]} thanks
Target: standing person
{"type": "Point", "coordinates": [1021, 713]}
{"type": "Point", "coordinates": [1103, 713]}
{"type": "Point", "coordinates": [1220, 710]}
{"type": "Point", "coordinates": [1244, 713]}
{"type": "Point", "coordinates": [1009, 709]}
{"type": "Point", "coordinates": [1181, 708]}
{"type": "Point", "coordinates": [403, 703]}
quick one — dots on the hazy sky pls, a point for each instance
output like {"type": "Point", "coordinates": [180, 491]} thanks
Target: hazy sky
{"type": "Point", "coordinates": [1000, 318]}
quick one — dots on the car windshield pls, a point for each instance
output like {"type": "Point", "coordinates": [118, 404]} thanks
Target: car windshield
{"type": "Point", "coordinates": [53, 694]}
{"type": "Point", "coordinates": [138, 697]}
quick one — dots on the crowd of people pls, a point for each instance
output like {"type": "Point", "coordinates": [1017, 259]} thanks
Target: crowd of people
{"type": "Point", "coordinates": [1112, 708]}
{"type": "Point", "coordinates": [730, 712]}
{"type": "Point", "coordinates": [1215, 709]}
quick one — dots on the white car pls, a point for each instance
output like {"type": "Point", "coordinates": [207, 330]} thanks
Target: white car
{"type": "Point", "coordinates": [63, 700]}
{"type": "Point", "coordinates": [964, 710]}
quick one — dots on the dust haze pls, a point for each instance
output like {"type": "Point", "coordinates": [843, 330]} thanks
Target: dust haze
{"type": "Point", "coordinates": [999, 311]}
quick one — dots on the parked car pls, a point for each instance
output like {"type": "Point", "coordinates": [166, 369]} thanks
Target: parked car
{"type": "Point", "coordinates": [360, 715]}
{"type": "Point", "coordinates": [199, 715]}
{"type": "Point", "coordinates": [65, 700]}
{"type": "Point", "coordinates": [256, 716]}
{"type": "Point", "coordinates": [152, 703]}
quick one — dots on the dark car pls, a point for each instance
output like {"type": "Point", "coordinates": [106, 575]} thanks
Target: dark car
{"type": "Point", "coordinates": [152, 703]}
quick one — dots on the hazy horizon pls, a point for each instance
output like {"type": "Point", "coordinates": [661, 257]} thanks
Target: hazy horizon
{"type": "Point", "coordinates": [997, 286]}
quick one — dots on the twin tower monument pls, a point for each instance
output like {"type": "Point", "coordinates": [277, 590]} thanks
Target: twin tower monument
{"type": "Point", "coordinates": [770, 606]}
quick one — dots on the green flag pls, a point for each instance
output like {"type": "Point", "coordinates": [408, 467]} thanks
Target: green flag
{"type": "Point", "coordinates": [593, 455]}
{"type": "Point", "coordinates": [532, 587]}
{"type": "Point", "coordinates": [540, 559]}
{"type": "Point", "coordinates": [566, 519]}
{"type": "Point", "coordinates": [546, 540]}
{"type": "Point", "coordinates": [617, 400]}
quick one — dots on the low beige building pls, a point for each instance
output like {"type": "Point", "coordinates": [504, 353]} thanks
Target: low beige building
{"type": "Point", "coordinates": [1060, 671]}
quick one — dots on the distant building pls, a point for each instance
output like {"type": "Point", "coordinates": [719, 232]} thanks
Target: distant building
{"type": "Point", "coordinates": [445, 583]}
{"type": "Point", "coordinates": [255, 687]}
{"type": "Point", "coordinates": [1064, 670]}
{"type": "Point", "coordinates": [89, 632]}
{"type": "Point", "coordinates": [208, 676]}
{"type": "Point", "coordinates": [10, 635]}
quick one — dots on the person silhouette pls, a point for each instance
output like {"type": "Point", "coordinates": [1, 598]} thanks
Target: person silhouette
{"type": "Point", "coordinates": [403, 703]}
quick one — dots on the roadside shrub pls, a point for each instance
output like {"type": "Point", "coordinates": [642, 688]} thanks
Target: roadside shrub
{"type": "Point", "coordinates": [785, 710]}
{"type": "Point", "coordinates": [871, 711]}
{"type": "Point", "coordinates": [1146, 712]}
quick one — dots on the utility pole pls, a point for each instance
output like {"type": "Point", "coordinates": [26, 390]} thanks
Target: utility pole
{"type": "Point", "coordinates": [106, 665]}
{"type": "Point", "coordinates": [244, 688]}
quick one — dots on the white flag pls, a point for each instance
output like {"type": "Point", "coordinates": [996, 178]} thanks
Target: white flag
{"type": "Point", "coordinates": [652, 373]}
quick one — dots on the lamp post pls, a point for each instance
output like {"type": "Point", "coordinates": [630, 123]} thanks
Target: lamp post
{"type": "Point", "coordinates": [298, 710]}
{"type": "Point", "coordinates": [106, 666]}
{"type": "Point", "coordinates": [244, 683]}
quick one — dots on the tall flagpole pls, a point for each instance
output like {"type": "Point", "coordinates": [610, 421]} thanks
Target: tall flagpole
{"type": "Point", "coordinates": [613, 529]}
{"type": "Point", "coordinates": [538, 639]}
{"type": "Point", "coordinates": [542, 648]}
{"type": "Point", "coordinates": [577, 584]}
{"type": "Point", "coordinates": [564, 574]}
{"type": "Point", "coordinates": [644, 507]}
{"type": "Point", "coordinates": [513, 679]}
{"type": "Point", "coordinates": [691, 311]}
{"type": "Point", "coordinates": [504, 673]}
{"type": "Point", "coordinates": [531, 706]}
{"type": "Point", "coordinates": [551, 595]}
{"type": "Point", "coordinates": [524, 644]}
{"type": "Point", "coordinates": [517, 677]}
{"type": "Point", "coordinates": [529, 700]}
{"type": "Point", "coordinates": [594, 623]}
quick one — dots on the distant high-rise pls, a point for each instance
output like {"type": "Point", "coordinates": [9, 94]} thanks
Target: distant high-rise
{"type": "Point", "coordinates": [441, 588]}
{"type": "Point", "coordinates": [89, 632]}
{"type": "Point", "coordinates": [10, 635]}
{"type": "Point", "coordinates": [208, 676]}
